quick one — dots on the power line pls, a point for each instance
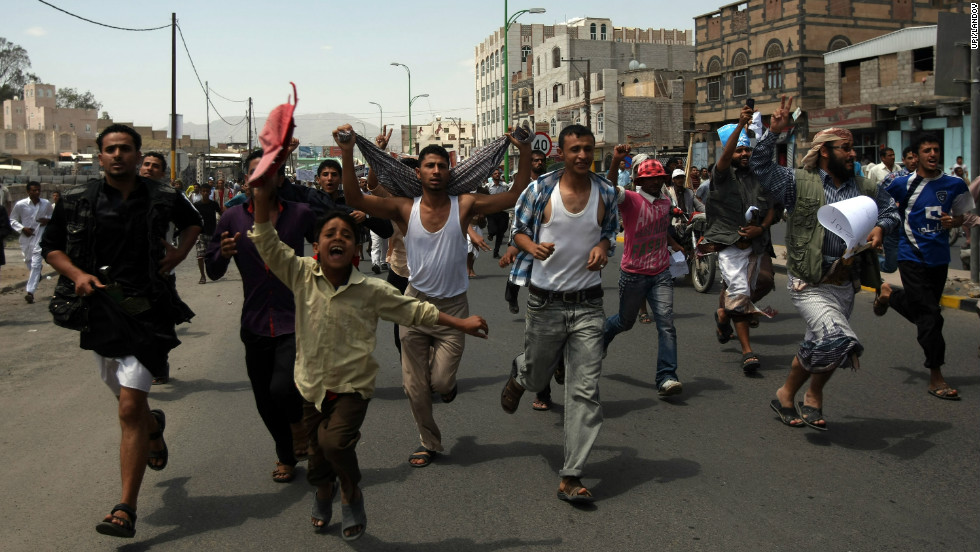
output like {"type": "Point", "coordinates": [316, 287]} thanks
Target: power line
{"type": "Point", "coordinates": [200, 82]}
{"type": "Point", "coordinates": [224, 98]}
{"type": "Point", "coordinates": [100, 24]}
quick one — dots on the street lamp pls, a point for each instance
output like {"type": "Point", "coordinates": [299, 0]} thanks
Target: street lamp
{"type": "Point", "coordinates": [411, 129]}
{"type": "Point", "coordinates": [410, 133]}
{"type": "Point", "coordinates": [507, 23]}
{"type": "Point", "coordinates": [381, 116]}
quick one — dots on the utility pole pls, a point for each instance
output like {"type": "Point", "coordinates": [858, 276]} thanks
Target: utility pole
{"type": "Point", "coordinates": [588, 89]}
{"type": "Point", "coordinates": [207, 117]}
{"type": "Point", "coordinates": [248, 115]}
{"type": "Point", "coordinates": [173, 96]}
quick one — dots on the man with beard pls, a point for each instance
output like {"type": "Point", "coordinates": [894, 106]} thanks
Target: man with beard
{"type": "Point", "coordinates": [930, 204]}
{"type": "Point", "coordinates": [564, 226]}
{"type": "Point", "coordinates": [106, 239]}
{"type": "Point", "coordinates": [821, 285]}
{"type": "Point", "coordinates": [739, 215]}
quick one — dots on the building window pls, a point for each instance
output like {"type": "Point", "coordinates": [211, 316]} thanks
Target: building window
{"type": "Point", "coordinates": [88, 128]}
{"type": "Point", "coordinates": [591, 35]}
{"type": "Point", "coordinates": [602, 35]}
{"type": "Point", "coordinates": [774, 50]}
{"type": "Point", "coordinates": [539, 98]}
{"type": "Point", "coordinates": [774, 75]}
{"type": "Point", "coordinates": [838, 43]}
{"type": "Point", "coordinates": [577, 90]}
{"type": "Point", "coordinates": [555, 58]}
{"type": "Point", "coordinates": [483, 67]}
{"type": "Point", "coordinates": [600, 122]}
{"type": "Point", "coordinates": [39, 141]}
{"type": "Point", "coordinates": [598, 81]}
{"type": "Point", "coordinates": [554, 94]}
{"type": "Point", "coordinates": [714, 89]}
{"type": "Point", "coordinates": [554, 127]}
{"type": "Point", "coordinates": [525, 53]}
{"type": "Point", "coordinates": [10, 141]}
{"type": "Point", "coordinates": [65, 142]}
{"type": "Point", "coordinates": [922, 59]}
{"type": "Point", "coordinates": [739, 83]}
{"type": "Point", "coordinates": [537, 65]}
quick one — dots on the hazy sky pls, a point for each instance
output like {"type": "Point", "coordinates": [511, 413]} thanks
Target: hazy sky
{"type": "Point", "coordinates": [337, 53]}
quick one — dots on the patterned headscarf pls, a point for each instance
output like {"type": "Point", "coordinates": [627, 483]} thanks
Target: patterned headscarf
{"type": "Point", "coordinates": [465, 177]}
{"type": "Point", "coordinates": [827, 135]}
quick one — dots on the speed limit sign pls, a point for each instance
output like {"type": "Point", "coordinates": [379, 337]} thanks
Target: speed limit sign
{"type": "Point", "coordinates": [541, 142]}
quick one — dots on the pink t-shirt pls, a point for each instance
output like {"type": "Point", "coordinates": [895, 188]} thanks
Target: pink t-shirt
{"type": "Point", "coordinates": [645, 240]}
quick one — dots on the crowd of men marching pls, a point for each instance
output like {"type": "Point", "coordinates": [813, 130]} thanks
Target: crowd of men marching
{"type": "Point", "coordinates": [309, 324]}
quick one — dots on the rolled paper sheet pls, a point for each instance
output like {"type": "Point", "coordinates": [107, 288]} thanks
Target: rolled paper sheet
{"type": "Point", "coordinates": [851, 220]}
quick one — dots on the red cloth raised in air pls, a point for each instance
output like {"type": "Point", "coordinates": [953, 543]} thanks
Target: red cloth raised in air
{"type": "Point", "coordinates": [275, 138]}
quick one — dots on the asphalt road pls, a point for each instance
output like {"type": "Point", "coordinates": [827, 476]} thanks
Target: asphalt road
{"type": "Point", "coordinates": [711, 469]}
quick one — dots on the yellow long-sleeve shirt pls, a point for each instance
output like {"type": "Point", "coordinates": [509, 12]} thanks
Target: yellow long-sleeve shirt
{"type": "Point", "coordinates": [336, 328]}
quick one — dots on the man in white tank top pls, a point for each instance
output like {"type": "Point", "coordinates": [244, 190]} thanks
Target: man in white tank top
{"type": "Point", "coordinates": [435, 226]}
{"type": "Point", "coordinates": [564, 225]}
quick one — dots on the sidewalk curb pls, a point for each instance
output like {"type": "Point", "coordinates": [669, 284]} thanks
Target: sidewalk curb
{"type": "Point", "coordinates": [958, 302]}
{"type": "Point", "coordinates": [12, 287]}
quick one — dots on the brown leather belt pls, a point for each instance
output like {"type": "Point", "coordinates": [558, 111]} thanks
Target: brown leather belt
{"type": "Point", "coordinates": [579, 296]}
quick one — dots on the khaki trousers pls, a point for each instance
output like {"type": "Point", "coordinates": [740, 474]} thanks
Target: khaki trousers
{"type": "Point", "coordinates": [430, 358]}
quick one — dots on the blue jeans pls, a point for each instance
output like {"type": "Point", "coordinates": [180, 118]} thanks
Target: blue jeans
{"type": "Point", "coordinates": [659, 292]}
{"type": "Point", "coordinates": [889, 263]}
{"type": "Point", "coordinates": [575, 330]}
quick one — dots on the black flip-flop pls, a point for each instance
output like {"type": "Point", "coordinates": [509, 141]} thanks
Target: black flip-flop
{"type": "Point", "coordinates": [421, 453]}
{"type": "Point", "coordinates": [786, 413]}
{"type": "Point", "coordinates": [128, 528]}
{"type": "Point", "coordinates": [811, 416]}
{"type": "Point", "coordinates": [725, 331]}
{"type": "Point", "coordinates": [750, 363]}
{"type": "Point", "coordinates": [451, 396]}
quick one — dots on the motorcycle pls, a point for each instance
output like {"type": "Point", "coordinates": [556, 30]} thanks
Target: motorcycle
{"type": "Point", "coordinates": [701, 266]}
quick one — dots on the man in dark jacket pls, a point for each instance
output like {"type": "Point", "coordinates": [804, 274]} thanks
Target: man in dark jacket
{"type": "Point", "coordinates": [122, 266]}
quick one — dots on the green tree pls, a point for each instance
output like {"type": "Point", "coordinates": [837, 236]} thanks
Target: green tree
{"type": "Point", "coordinates": [14, 65]}
{"type": "Point", "coordinates": [71, 98]}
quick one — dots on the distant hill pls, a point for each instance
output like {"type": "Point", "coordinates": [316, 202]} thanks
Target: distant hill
{"type": "Point", "coordinates": [311, 129]}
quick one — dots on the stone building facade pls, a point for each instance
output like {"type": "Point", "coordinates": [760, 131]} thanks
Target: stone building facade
{"type": "Point", "coordinates": [884, 89]}
{"type": "Point", "coordinates": [764, 49]}
{"type": "Point", "coordinates": [452, 133]}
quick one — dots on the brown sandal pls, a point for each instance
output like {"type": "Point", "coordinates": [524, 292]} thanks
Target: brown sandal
{"type": "Point", "coordinates": [510, 397]}
{"type": "Point", "coordinates": [574, 492]}
{"type": "Point", "coordinates": [284, 473]}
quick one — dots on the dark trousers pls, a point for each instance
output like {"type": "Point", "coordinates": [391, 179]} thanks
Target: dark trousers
{"type": "Point", "coordinates": [401, 283]}
{"type": "Point", "coordinates": [269, 362]}
{"type": "Point", "coordinates": [334, 432]}
{"type": "Point", "coordinates": [918, 302]}
{"type": "Point", "coordinates": [496, 228]}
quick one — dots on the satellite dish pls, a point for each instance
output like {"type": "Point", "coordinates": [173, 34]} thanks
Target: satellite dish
{"type": "Point", "coordinates": [643, 66]}
{"type": "Point", "coordinates": [634, 65]}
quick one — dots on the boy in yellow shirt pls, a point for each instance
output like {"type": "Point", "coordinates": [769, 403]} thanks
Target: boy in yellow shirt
{"type": "Point", "coordinates": [335, 338]}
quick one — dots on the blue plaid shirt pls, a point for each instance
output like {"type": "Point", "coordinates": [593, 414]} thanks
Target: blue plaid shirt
{"type": "Point", "coordinates": [530, 210]}
{"type": "Point", "coordinates": [780, 183]}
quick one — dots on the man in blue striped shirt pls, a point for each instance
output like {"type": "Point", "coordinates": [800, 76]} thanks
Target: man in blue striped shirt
{"type": "Point", "coordinates": [821, 288]}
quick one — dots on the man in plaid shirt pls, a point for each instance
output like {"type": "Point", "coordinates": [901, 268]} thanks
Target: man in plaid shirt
{"type": "Point", "coordinates": [564, 225]}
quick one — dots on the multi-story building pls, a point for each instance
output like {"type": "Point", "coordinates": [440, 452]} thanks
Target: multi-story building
{"type": "Point", "coordinates": [883, 89]}
{"type": "Point", "coordinates": [34, 128]}
{"type": "Point", "coordinates": [534, 73]}
{"type": "Point", "coordinates": [452, 133]}
{"type": "Point", "coordinates": [765, 49]}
